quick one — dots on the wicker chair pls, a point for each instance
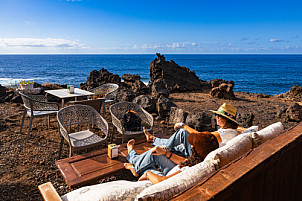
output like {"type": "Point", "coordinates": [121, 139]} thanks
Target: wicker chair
{"type": "Point", "coordinates": [34, 106]}
{"type": "Point", "coordinates": [109, 91]}
{"type": "Point", "coordinates": [75, 126]}
{"type": "Point", "coordinates": [119, 109]}
{"type": "Point", "coordinates": [95, 103]}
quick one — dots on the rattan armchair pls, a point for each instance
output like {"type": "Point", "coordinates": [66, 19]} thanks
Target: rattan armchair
{"type": "Point", "coordinates": [37, 105]}
{"type": "Point", "coordinates": [108, 91]}
{"type": "Point", "coordinates": [118, 111]}
{"type": "Point", "coordinates": [75, 124]}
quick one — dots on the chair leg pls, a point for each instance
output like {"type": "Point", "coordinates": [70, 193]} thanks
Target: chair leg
{"type": "Point", "coordinates": [70, 151]}
{"type": "Point", "coordinates": [22, 121]}
{"type": "Point", "coordinates": [48, 121]}
{"type": "Point", "coordinates": [29, 127]}
{"type": "Point", "coordinates": [61, 146]}
{"type": "Point", "coordinates": [104, 108]}
{"type": "Point", "coordinates": [112, 135]}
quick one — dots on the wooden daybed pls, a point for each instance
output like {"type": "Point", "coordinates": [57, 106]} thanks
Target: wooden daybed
{"type": "Point", "coordinates": [272, 171]}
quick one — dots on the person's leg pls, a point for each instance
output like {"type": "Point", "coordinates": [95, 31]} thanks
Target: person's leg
{"type": "Point", "coordinates": [145, 161]}
{"type": "Point", "coordinates": [164, 163]}
{"type": "Point", "coordinates": [154, 170]}
{"type": "Point", "coordinates": [178, 143]}
{"type": "Point", "coordinates": [141, 162]}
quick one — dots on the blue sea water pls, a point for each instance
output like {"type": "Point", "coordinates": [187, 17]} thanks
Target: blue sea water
{"type": "Point", "coordinates": [268, 74]}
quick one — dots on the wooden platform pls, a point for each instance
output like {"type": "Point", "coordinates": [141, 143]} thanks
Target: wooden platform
{"type": "Point", "coordinates": [87, 169]}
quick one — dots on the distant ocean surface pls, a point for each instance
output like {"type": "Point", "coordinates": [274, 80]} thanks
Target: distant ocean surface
{"type": "Point", "coordinates": [267, 74]}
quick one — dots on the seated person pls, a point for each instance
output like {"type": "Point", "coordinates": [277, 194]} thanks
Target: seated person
{"type": "Point", "coordinates": [178, 144]}
{"type": "Point", "coordinates": [225, 117]}
{"type": "Point", "coordinates": [170, 164]}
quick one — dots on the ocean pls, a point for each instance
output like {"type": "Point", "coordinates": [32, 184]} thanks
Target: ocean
{"type": "Point", "coordinates": [267, 74]}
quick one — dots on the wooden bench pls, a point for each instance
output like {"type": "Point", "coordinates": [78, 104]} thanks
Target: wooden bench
{"type": "Point", "coordinates": [270, 172]}
{"type": "Point", "coordinates": [88, 168]}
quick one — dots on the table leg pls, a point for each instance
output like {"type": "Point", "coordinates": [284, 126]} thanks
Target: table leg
{"type": "Point", "coordinates": [62, 102]}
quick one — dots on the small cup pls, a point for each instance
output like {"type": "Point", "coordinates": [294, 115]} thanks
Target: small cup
{"type": "Point", "coordinates": [71, 89]}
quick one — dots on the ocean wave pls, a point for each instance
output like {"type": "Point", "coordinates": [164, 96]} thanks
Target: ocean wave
{"type": "Point", "coordinates": [15, 81]}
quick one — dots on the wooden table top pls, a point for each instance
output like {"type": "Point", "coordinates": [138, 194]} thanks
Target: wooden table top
{"type": "Point", "coordinates": [90, 167]}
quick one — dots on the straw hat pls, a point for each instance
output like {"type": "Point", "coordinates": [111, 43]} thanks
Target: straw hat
{"type": "Point", "coordinates": [227, 111]}
{"type": "Point", "coordinates": [203, 143]}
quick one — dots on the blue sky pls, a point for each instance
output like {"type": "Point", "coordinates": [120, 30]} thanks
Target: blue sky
{"type": "Point", "coordinates": [143, 26]}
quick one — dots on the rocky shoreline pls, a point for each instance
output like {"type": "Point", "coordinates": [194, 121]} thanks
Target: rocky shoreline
{"type": "Point", "coordinates": [24, 166]}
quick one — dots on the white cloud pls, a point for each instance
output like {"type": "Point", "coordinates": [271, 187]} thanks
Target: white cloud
{"type": "Point", "coordinates": [28, 23]}
{"type": "Point", "coordinates": [26, 43]}
{"type": "Point", "coordinates": [273, 40]}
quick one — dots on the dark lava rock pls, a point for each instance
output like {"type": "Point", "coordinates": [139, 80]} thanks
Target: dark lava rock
{"type": "Point", "coordinates": [2, 91]}
{"type": "Point", "coordinates": [175, 78]}
{"type": "Point", "coordinates": [98, 78]}
{"type": "Point", "coordinates": [294, 112]}
{"type": "Point", "coordinates": [224, 90]}
{"type": "Point", "coordinates": [158, 89]}
{"type": "Point", "coordinates": [295, 93]}
{"type": "Point", "coordinates": [200, 121]}
{"type": "Point", "coordinates": [134, 83]}
{"type": "Point", "coordinates": [125, 95]}
{"type": "Point", "coordinates": [164, 106]}
{"type": "Point", "coordinates": [146, 102]}
{"type": "Point", "coordinates": [245, 119]}
{"type": "Point", "coordinates": [177, 115]}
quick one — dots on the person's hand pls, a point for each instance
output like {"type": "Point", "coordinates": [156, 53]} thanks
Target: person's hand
{"type": "Point", "coordinates": [157, 150]}
{"type": "Point", "coordinates": [177, 126]}
{"type": "Point", "coordinates": [143, 177]}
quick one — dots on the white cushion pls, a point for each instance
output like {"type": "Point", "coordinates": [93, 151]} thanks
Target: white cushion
{"type": "Point", "coordinates": [233, 149]}
{"type": "Point", "coordinates": [251, 129]}
{"type": "Point", "coordinates": [84, 138]}
{"type": "Point", "coordinates": [267, 133]}
{"type": "Point", "coordinates": [115, 190]}
{"type": "Point", "coordinates": [178, 183]}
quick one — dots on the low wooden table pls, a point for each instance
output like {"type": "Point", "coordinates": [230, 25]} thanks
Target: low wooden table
{"type": "Point", "coordinates": [90, 167]}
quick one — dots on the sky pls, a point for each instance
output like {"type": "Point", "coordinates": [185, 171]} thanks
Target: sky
{"type": "Point", "coordinates": [147, 27]}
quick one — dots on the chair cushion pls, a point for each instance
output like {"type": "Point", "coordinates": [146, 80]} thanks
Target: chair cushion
{"type": "Point", "coordinates": [84, 138]}
{"type": "Point", "coordinates": [250, 129]}
{"type": "Point", "coordinates": [233, 149]}
{"type": "Point", "coordinates": [115, 190]}
{"type": "Point", "coordinates": [109, 101]}
{"type": "Point", "coordinates": [41, 113]}
{"type": "Point", "coordinates": [267, 133]}
{"type": "Point", "coordinates": [166, 189]}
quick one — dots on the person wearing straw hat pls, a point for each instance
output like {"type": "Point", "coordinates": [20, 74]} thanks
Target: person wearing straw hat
{"type": "Point", "coordinates": [225, 117]}
{"type": "Point", "coordinates": [178, 144]}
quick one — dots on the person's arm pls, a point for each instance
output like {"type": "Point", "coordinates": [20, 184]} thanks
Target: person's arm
{"type": "Point", "coordinates": [188, 128]}
{"type": "Point", "coordinates": [154, 178]}
{"type": "Point", "coordinates": [161, 151]}
{"type": "Point", "coordinates": [193, 131]}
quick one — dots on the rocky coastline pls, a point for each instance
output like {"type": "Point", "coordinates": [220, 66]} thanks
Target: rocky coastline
{"type": "Point", "coordinates": [174, 94]}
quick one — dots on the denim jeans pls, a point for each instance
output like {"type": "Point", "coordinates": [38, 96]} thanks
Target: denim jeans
{"type": "Point", "coordinates": [177, 143]}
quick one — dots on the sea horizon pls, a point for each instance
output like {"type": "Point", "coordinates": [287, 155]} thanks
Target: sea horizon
{"type": "Point", "coordinates": [250, 72]}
